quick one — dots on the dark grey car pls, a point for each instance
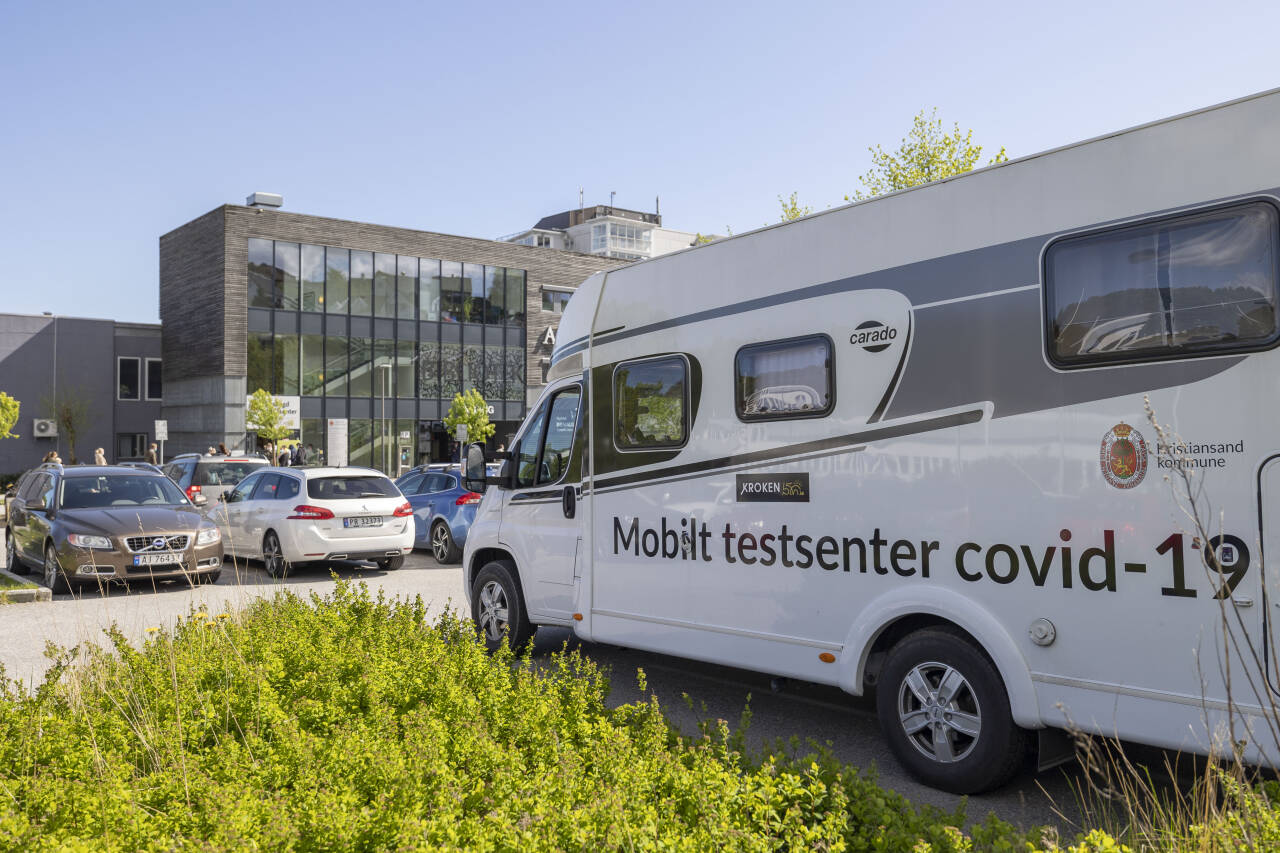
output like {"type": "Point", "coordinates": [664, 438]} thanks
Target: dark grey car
{"type": "Point", "coordinates": [95, 523]}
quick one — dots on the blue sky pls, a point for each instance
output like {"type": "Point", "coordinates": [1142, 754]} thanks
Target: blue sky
{"type": "Point", "coordinates": [122, 121]}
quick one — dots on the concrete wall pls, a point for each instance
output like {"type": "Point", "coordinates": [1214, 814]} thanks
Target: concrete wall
{"type": "Point", "coordinates": [82, 366]}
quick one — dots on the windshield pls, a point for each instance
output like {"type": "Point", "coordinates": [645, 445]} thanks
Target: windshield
{"type": "Point", "coordinates": [225, 472]}
{"type": "Point", "coordinates": [351, 488]}
{"type": "Point", "coordinates": [107, 490]}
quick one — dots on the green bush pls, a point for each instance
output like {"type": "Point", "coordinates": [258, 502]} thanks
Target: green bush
{"type": "Point", "coordinates": [351, 723]}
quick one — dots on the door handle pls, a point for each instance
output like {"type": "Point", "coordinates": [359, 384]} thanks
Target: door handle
{"type": "Point", "coordinates": [568, 502]}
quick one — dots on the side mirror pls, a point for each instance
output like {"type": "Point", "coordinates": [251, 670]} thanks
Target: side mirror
{"type": "Point", "coordinates": [36, 505]}
{"type": "Point", "coordinates": [473, 476]}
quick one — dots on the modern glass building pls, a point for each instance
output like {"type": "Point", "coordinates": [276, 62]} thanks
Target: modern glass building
{"type": "Point", "coordinates": [375, 326]}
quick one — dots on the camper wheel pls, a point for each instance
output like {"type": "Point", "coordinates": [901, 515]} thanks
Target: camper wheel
{"type": "Point", "coordinates": [497, 606]}
{"type": "Point", "coordinates": [945, 712]}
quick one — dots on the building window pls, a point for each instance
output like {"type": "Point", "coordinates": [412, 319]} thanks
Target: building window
{"type": "Point", "coordinates": [649, 403]}
{"type": "Point", "coordinates": [514, 303]}
{"type": "Point", "coordinates": [313, 276]}
{"type": "Point", "coordinates": [131, 445]}
{"type": "Point", "coordinates": [261, 273]}
{"type": "Point", "coordinates": [128, 378]}
{"type": "Point", "coordinates": [784, 379]}
{"type": "Point", "coordinates": [384, 285]}
{"type": "Point", "coordinates": [1176, 287]}
{"type": "Point", "coordinates": [554, 300]}
{"type": "Point", "coordinates": [260, 360]}
{"type": "Point", "coordinates": [155, 380]}
{"type": "Point", "coordinates": [288, 268]}
{"type": "Point", "coordinates": [600, 237]}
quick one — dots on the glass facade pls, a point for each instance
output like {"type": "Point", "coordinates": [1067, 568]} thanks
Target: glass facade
{"type": "Point", "coordinates": [385, 341]}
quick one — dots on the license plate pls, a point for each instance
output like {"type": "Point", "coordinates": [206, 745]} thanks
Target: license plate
{"type": "Point", "coordinates": [363, 521]}
{"type": "Point", "coordinates": [156, 559]}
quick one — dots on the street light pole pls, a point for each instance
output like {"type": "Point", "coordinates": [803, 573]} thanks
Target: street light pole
{"type": "Point", "coordinates": [386, 380]}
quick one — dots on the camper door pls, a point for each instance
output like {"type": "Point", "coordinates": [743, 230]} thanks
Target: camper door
{"type": "Point", "coordinates": [540, 521]}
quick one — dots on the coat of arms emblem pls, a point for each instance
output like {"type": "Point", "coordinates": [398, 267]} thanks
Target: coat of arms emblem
{"type": "Point", "coordinates": [1123, 456]}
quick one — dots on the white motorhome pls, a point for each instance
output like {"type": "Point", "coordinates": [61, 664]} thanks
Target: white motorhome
{"type": "Point", "coordinates": [901, 445]}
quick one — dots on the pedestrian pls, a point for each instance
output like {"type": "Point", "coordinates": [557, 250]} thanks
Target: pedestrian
{"type": "Point", "coordinates": [222, 449]}
{"type": "Point", "coordinates": [152, 456]}
{"type": "Point", "coordinates": [209, 452]}
{"type": "Point", "coordinates": [48, 457]}
{"type": "Point", "coordinates": [99, 458]}
{"type": "Point", "coordinates": [299, 455]}
{"type": "Point", "coordinates": [311, 457]}
{"type": "Point", "coordinates": [268, 450]}
{"type": "Point", "coordinates": [54, 457]}
{"type": "Point", "coordinates": [284, 457]}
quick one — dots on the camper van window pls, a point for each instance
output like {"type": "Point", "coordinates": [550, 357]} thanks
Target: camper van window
{"type": "Point", "coordinates": [527, 454]}
{"type": "Point", "coordinates": [561, 425]}
{"type": "Point", "coordinates": [784, 379]}
{"type": "Point", "coordinates": [1175, 287]}
{"type": "Point", "coordinates": [649, 403]}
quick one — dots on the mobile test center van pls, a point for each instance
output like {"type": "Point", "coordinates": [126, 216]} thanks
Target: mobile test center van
{"type": "Point", "coordinates": [902, 446]}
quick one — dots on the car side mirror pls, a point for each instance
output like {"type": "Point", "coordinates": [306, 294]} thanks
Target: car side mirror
{"type": "Point", "coordinates": [473, 476]}
{"type": "Point", "coordinates": [37, 505]}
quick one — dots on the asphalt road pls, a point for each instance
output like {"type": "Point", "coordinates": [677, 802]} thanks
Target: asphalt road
{"type": "Point", "coordinates": [807, 711]}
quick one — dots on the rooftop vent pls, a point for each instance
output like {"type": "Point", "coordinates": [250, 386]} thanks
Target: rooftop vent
{"type": "Point", "coordinates": [264, 200]}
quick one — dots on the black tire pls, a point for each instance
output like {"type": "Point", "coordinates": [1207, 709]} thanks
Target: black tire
{"type": "Point", "coordinates": [54, 577]}
{"type": "Point", "coordinates": [497, 591]}
{"type": "Point", "coordinates": [442, 544]}
{"type": "Point", "coordinates": [966, 744]}
{"type": "Point", "coordinates": [390, 564]}
{"type": "Point", "coordinates": [13, 562]}
{"type": "Point", "coordinates": [273, 556]}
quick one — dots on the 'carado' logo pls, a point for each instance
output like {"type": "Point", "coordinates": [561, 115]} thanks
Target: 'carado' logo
{"type": "Point", "coordinates": [873, 336]}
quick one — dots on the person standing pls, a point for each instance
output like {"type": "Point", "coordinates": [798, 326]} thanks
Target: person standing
{"type": "Point", "coordinates": [284, 457]}
{"type": "Point", "coordinates": [222, 449]}
{"type": "Point", "coordinates": [152, 456]}
{"type": "Point", "coordinates": [99, 458]}
{"type": "Point", "coordinates": [299, 455]}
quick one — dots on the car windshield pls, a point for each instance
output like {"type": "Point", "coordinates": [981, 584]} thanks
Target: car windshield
{"type": "Point", "coordinates": [107, 490]}
{"type": "Point", "coordinates": [225, 472]}
{"type": "Point", "coordinates": [351, 488]}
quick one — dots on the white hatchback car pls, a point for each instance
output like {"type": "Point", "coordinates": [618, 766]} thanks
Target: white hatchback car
{"type": "Point", "coordinates": [288, 516]}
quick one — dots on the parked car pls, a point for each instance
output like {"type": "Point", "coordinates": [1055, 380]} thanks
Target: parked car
{"type": "Point", "coordinates": [144, 466]}
{"type": "Point", "coordinates": [291, 516]}
{"type": "Point", "coordinates": [95, 523]}
{"type": "Point", "coordinates": [201, 474]}
{"type": "Point", "coordinates": [442, 509]}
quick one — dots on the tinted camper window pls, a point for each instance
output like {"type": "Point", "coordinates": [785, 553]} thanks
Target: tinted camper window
{"type": "Point", "coordinates": [649, 403]}
{"type": "Point", "coordinates": [1175, 287]}
{"type": "Point", "coordinates": [784, 379]}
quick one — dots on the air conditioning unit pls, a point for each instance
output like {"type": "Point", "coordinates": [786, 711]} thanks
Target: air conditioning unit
{"type": "Point", "coordinates": [44, 428]}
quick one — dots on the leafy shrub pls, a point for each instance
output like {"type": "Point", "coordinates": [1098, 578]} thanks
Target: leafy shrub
{"type": "Point", "coordinates": [351, 723]}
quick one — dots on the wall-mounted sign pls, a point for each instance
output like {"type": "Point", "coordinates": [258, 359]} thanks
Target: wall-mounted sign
{"type": "Point", "coordinates": [405, 435]}
{"type": "Point", "coordinates": [489, 409]}
{"type": "Point", "coordinates": [162, 431]}
{"type": "Point", "coordinates": [292, 411]}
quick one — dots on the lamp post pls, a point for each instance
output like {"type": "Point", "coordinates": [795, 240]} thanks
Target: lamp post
{"type": "Point", "coordinates": [386, 380]}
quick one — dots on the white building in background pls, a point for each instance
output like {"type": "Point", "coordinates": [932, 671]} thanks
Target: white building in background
{"type": "Point", "coordinates": [611, 232]}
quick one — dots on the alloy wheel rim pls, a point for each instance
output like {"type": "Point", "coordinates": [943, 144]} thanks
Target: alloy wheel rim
{"type": "Point", "coordinates": [939, 712]}
{"type": "Point", "coordinates": [494, 612]}
{"type": "Point", "coordinates": [439, 544]}
{"type": "Point", "coordinates": [50, 568]}
{"type": "Point", "coordinates": [273, 556]}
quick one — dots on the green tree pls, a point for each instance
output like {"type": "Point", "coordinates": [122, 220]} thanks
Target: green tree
{"type": "Point", "coordinates": [927, 153]}
{"type": "Point", "coordinates": [8, 415]}
{"type": "Point", "coordinates": [265, 416]}
{"type": "Point", "coordinates": [70, 409]}
{"type": "Point", "coordinates": [792, 209]}
{"type": "Point", "coordinates": [470, 408]}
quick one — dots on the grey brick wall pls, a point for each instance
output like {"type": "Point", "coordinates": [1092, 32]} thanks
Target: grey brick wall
{"type": "Point", "coordinates": [191, 299]}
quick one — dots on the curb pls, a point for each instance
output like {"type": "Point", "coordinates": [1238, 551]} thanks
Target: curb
{"type": "Point", "coordinates": [23, 596]}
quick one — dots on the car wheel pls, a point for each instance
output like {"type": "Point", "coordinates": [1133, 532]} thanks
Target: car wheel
{"type": "Point", "coordinates": [497, 606]}
{"type": "Point", "coordinates": [442, 547]}
{"type": "Point", "coordinates": [273, 556]}
{"type": "Point", "coordinates": [12, 561]}
{"type": "Point", "coordinates": [390, 563]}
{"type": "Point", "coordinates": [945, 712]}
{"type": "Point", "coordinates": [53, 575]}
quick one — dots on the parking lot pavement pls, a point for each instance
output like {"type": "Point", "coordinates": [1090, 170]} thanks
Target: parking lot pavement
{"type": "Point", "coordinates": [79, 617]}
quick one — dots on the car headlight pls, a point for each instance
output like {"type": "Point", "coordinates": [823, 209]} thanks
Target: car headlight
{"type": "Point", "coordinates": [80, 540]}
{"type": "Point", "coordinates": [208, 536]}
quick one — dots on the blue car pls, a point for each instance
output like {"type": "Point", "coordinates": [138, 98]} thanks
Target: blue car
{"type": "Point", "coordinates": [442, 509]}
